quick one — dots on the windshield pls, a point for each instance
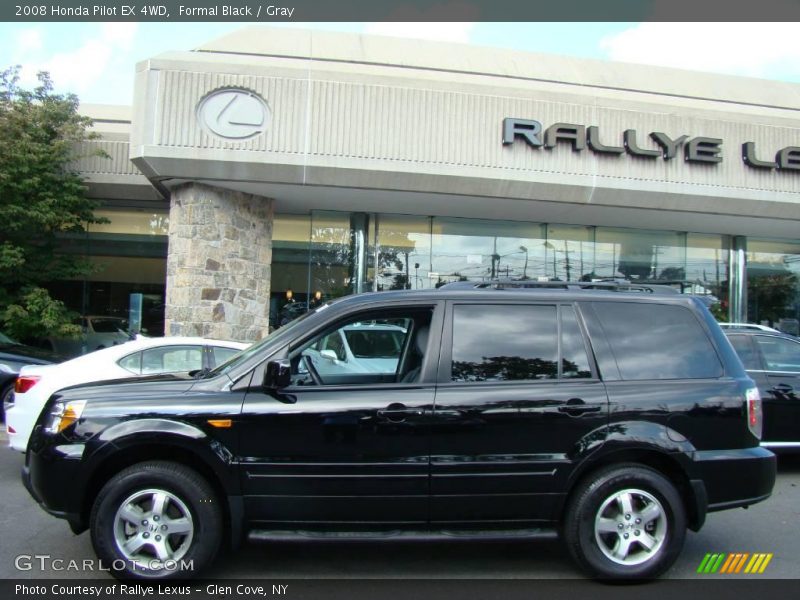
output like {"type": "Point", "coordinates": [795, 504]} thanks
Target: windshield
{"type": "Point", "coordinates": [247, 353]}
{"type": "Point", "coordinates": [4, 339]}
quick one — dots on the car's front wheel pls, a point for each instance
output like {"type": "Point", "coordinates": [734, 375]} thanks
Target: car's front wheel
{"type": "Point", "coordinates": [625, 522]}
{"type": "Point", "coordinates": [156, 520]}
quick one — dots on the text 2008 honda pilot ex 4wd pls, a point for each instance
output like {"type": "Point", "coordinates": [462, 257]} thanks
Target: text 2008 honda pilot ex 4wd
{"type": "Point", "coordinates": [615, 418]}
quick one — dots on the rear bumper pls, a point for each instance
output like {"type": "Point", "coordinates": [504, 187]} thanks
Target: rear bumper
{"type": "Point", "coordinates": [735, 478]}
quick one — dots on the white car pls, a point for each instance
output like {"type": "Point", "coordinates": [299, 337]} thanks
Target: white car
{"type": "Point", "coordinates": [143, 356]}
{"type": "Point", "coordinates": [358, 348]}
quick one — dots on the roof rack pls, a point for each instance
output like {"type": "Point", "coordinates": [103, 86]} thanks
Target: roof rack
{"type": "Point", "coordinates": [608, 285]}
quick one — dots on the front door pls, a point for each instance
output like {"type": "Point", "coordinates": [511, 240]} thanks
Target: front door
{"type": "Point", "coordinates": [517, 398]}
{"type": "Point", "coordinates": [346, 445]}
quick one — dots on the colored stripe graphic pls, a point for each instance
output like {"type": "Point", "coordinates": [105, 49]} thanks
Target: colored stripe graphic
{"type": "Point", "coordinates": [728, 563]}
{"type": "Point", "coordinates": [766, 562]}
{"type": "Point", "coordinates": [724, 563]}
{"type": "Point", "coordinates": [702, 567]}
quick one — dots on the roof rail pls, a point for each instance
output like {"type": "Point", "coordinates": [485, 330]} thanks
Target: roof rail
{"type": "Point", "coordinates": [608, 285]}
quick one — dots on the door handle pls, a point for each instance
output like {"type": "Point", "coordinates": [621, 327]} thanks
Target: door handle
{"type": "Point", "coordinates": [782, 388]}
{"type": "Point", "coordinates": [397, 413]}
{"type": "Point", "coordinates": [575, 410]}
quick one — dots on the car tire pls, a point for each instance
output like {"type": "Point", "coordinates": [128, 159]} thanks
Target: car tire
{"type": "Point", "coordinates": [5, 396]}
{"type": "Point", "coordinates": [625, 522]}
{"type": "Point", "coordinates": [156, 520]}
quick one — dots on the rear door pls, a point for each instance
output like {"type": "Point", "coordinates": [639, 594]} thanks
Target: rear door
{"type": "Point", "coordinates": [517, 401]}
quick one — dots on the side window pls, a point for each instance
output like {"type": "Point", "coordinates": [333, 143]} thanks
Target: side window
{"type": "Point", "coordinates": [657, 341]}
{"type": "Point", "coordinates": [747, 353]}
{"type": "Point", "coordinates": [222, 354]}
{"type": "Point", "coordinates": [574, 360]}
{"type": "Point", "coordinates": [132, 363]}
{"type": "Point", "coordinates": [504, 343]}
{"type": "Point", "coordinates": [779, 354]}
{"type": "Point", "coordinates": [376, 347]}
{"type": "Point", "coordinates": [172, 359]}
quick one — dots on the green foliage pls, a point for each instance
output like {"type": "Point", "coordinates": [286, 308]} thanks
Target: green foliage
{"type": "Point", "coordinates": [41, 196]}
{"type": "Point", "coordinates": [37, 315]}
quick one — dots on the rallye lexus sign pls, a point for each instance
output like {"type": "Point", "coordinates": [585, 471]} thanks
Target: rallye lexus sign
{"type": "Point", "coordinates": [695, 149]}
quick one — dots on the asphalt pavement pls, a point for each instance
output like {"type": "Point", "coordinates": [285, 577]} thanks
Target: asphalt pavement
{"type": "Point", "coordinates": [770, 527]}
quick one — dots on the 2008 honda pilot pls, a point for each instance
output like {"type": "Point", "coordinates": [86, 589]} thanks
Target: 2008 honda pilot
{"type": "Point", "coordinates": [614, 418]}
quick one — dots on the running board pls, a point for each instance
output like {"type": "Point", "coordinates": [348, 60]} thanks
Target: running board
{"type": "Point", "coordinates": [492, 535]}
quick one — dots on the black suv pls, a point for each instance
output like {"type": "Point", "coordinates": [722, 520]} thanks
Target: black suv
{"type": "Point", "coordinates": [616, 419]}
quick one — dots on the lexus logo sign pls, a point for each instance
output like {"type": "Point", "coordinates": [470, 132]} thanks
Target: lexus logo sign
{"type": "Point", "coordinates": [233, 114]}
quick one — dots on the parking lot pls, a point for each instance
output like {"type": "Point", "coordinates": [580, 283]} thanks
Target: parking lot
{"type": "Point", "coordinates": [770, 527]}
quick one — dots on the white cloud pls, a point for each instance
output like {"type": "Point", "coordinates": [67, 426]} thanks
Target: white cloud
{"type": "Point", "coordinates": [79, 70]}
{"type": "Point", "coordinates": [444, 32]}
{"type": "Point", "coordinates": [751, 49]}
{"type": "Point", "coordinates": [29, 40]}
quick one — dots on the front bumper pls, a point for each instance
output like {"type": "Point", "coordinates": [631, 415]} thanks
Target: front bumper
{"type": "Point", "coordinates": [52, 484]}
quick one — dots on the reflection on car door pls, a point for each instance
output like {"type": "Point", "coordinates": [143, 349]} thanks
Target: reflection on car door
{"type": "Point", "coordinates": [348, 451]}
{"type": "Point", "coordinates": [512, 403]}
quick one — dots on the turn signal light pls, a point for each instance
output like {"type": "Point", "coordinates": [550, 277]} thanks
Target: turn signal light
{"type": "Point", "coordinates": [25, 382]}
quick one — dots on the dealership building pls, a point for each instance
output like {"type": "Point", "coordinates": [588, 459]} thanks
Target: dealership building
{"type": "Point", "coordinates": [275, 166]}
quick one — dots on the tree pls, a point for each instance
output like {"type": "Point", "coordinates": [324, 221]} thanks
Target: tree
{"type": "Point", "coordinates": [41, 197]}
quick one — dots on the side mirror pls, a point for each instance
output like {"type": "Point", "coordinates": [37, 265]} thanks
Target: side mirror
{"type": "Point", "coordinates": [277, 375]}
{"type": "Point", "coordinates": [329, 355]}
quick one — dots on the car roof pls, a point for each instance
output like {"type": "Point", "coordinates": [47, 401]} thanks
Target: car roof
{"type": "Point", "coordinates": [495, 294]}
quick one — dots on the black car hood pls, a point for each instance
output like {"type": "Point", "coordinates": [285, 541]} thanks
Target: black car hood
{"type": "Point", "coordinates": [151, 385]}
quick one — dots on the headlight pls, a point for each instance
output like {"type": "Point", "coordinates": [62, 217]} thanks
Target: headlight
{"type": "Point", "coordinates": [64, 414]}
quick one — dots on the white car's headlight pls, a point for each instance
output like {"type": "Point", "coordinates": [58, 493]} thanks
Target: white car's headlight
{"type": "Point", "coordinates": [64, 414]}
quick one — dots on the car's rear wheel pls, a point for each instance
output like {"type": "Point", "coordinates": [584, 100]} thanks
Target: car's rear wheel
{"type": "Point", "coordinates": [625, 522]}
{"type": "Point", "coordinates": [156, 520]}
{"type": "Point", "coordinates": [5, 399]}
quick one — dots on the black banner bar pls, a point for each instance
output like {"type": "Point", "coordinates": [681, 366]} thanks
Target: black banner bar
{"type": "Point", "coordinates": [271, 11]}
{"type": "Point", "coordinates": [733, 588]}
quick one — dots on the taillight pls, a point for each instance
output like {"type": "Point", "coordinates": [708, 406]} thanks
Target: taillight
{"type": "Point", "coordinates": [755, 416]}
{"type": "Point", "coordinates": [25, 382]}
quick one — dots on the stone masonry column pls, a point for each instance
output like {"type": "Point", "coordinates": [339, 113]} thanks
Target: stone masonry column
{"type": "Point", "coordinates": [219, 263]}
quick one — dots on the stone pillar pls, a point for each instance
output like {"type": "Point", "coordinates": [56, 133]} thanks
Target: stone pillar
{"type": "Point", "coordinates": [219, 263]}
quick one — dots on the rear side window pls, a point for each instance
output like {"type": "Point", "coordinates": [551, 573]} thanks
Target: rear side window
{"type": "Point", "coordinates": [132, 363]}
{"type": "Point", "coordinates": [511, 343]}
{"type": "Point", "coordinates": [657, 341]}
{"type": "Point", "coordinates": [172, 359]}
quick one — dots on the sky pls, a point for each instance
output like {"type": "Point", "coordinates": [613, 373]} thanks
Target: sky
{"type": "Point", "coordinates": [96, 60]}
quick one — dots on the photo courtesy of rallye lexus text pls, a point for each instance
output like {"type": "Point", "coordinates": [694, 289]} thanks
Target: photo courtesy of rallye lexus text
{"type": "Point", "coordinates": [616, 416]}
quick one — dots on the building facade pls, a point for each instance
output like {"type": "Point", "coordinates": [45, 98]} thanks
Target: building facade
{"type": "Point", "coordinates": [273, 167]}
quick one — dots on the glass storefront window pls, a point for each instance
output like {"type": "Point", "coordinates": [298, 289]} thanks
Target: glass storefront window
{"type": "Point", "coordinates": [640, 255]}
{"type": "Point", "coordinates": [476, 250]}
{"type": "Point", "coordinates": [132, 222]}
{"type": "Point", "coordinates": [331, 258]}
{"type": "Point", "coordinates": [773, 284]}
{"type": "Point", "coordinates": [402, 252]}
{"type": "Point", "coordinates": [570, 253]}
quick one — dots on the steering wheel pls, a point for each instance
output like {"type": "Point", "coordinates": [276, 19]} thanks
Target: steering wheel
{"type": "Point", "coordinates": [312, 369]}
